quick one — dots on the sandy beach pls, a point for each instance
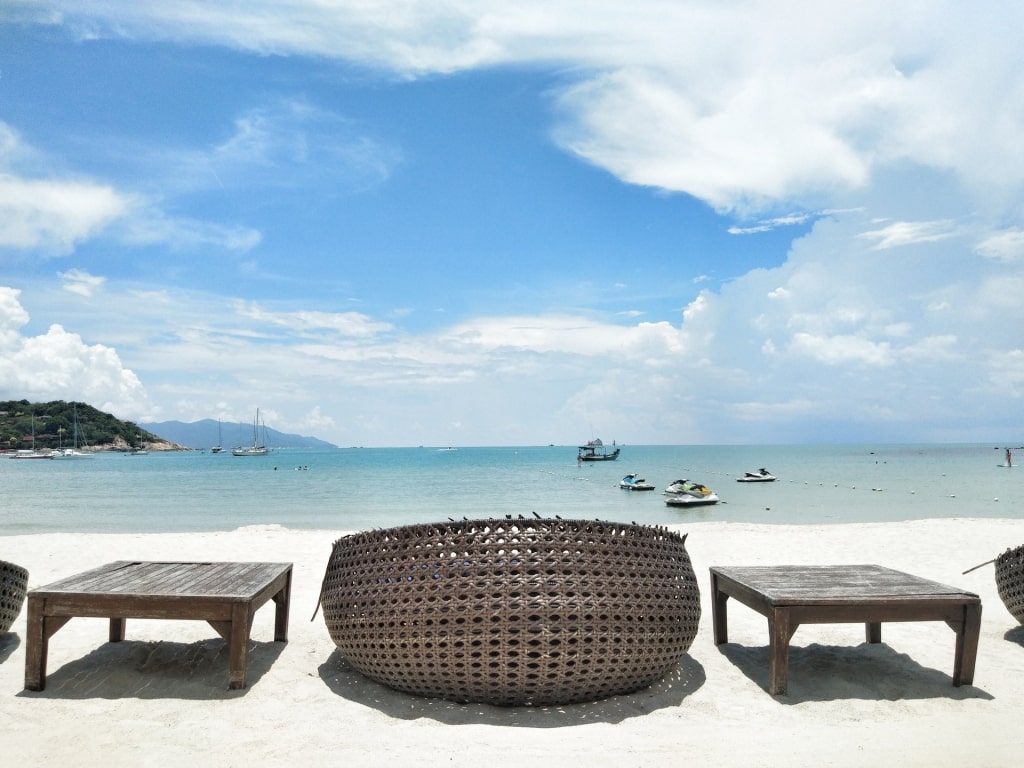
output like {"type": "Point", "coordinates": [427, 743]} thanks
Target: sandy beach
{"type": "Point", "coordinates": [161, 697]}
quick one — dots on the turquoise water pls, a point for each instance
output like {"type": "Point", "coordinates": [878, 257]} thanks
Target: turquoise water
{"type": "Point", "coordinates": [355, 488]}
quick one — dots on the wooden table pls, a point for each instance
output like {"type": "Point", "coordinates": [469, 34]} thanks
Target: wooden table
{"type": "Point", "coordinates": [226, 595]}
{"type": "Point", "coordinates": [791, 595]}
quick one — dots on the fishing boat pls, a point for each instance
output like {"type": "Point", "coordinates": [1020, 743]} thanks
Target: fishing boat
{"type": "Point", "coordinates": [258, 447]}
{"type": "Point", "coordinates": [589, 452]}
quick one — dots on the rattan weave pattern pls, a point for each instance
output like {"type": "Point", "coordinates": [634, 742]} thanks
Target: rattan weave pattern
{"type": "Point", "coordinates": [1010, 581]}
{"type": "Point", "coordinates": [13, 586]}
{"type": "Point", "coordinates": [520, 612]}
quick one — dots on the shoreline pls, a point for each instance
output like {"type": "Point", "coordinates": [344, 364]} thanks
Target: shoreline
{"type": "Point", "coordinates": [161, 695]}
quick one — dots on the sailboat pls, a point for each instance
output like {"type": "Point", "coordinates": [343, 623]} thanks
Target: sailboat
{"type": "Point", "coordinates": [73, 452]}
{"type": "Point", "coordinates": [32, 453]}
{"type": "Point", "coordinates": [219, 447]}
{"type": "Point", "coordinates": [258, 448]}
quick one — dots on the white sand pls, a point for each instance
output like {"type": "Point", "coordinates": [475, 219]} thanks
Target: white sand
{"type": "Point", "coordinates": [160, 698]}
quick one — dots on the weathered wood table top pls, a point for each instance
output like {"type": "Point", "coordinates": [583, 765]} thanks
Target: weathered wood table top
{"type": "Point", "coordinates": [217, 581]}
{"type": "Point", "coordinates": [837, 584]}
{"type": "Point", "coordinates": [225, 594]}
{"type": "Point", "coordinates": [790, 595]}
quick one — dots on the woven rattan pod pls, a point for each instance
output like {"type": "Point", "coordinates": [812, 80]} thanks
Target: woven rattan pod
{"type": "Point", "coordinates": [1010, 581]}
{"type": "Point", "coordinates": [513, 612]}
{"type": "Point", "coordinates": [13, 585]}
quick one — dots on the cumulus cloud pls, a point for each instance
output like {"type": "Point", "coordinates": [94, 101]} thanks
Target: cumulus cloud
{"type": "Point", "coordinates": [60, 365]}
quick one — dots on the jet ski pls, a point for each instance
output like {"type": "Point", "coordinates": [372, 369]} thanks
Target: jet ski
{"type": "Point", "coordinates": [761, 476]}
{"type": "Point", "coordinates": [632, 482]}
{"type": "Point", "coordinates": [683, 493]}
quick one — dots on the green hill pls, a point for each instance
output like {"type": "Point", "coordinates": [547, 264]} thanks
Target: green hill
{"type": "Point", "coordinates": [53, 425]}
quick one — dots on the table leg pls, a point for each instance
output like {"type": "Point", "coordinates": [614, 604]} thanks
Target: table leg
{"type": "Point", "coordinates": [282, 600]}
{"type": "Point", "coordinates": [719, 615]}
{"type": "Point", "coordinates": [873, 631]}
{"type": "Point", "coordinates": [117, 630]}
{"type": "Point", "coordinates": [967, 634]}
{"type": "Point", "coordinates": [238, 645]}
{"type": "Point", "coordinates": [36, 646]}
{"type": "Point", "coordinates": [779, 633]}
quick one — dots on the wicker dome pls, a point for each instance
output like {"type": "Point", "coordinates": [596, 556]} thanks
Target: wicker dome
{"type": "Point", "coordinates": [513, 612]}
{"type": "Point", "coordinates": [13, 585]}
{"type": "Point", "coordinates": [1010, 581]}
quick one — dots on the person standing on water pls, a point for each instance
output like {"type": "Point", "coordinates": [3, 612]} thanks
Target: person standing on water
{"type": "Point", "coordinates": [1009, 458]}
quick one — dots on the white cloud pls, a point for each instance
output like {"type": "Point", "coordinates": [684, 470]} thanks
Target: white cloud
{"type": "Point", "coordinates": [352, 324]}
{"type": "Point", "coordinates": [744, 106]}
{"type": "Point", "coordinates": [54, 215]}
{"type": "Point", "coordinates": [835, 350]}
{"type": "Point", "coordinates": [1006, 374]}
{"type": "Point", "coordinates": [900, 122]}
{"type": "Point", "coordinates": [12, 318]}
{"type": "Point", "coordinates": [564, 335]}
{"type": "Point", "coordinates": [767, 225]}
{"type": "Point", "coordinates": [901, 233]}
{"type": "Point", "coordinates": [300, 143]}
{"type": "Point", "coordinates": [1006, 246]}
{"type": "Point", "coordinates": [150, 226]}
{"type": "Point", "coordinates": [81, 282]}
{"type": "Point", "coordinates": [60, 365]}
{"type": "Point", "coordinates": [840, 332]}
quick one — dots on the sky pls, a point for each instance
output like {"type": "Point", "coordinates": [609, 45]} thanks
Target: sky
{"type": "Point", "coordinates": [487, 223]}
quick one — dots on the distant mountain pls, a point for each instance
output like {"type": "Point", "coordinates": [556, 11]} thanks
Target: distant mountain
{"type": "Point", "coordinates": [203, 434]}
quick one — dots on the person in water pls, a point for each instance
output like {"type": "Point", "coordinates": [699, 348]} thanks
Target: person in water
{"type": "Point", "coordinates": [1009, 458]}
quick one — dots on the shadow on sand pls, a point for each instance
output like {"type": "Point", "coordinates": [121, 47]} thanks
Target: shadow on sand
{"type": "Point", "coordinates": [156, 670]}
{"type": "Point", "coordinates": [686, 678]}
{"type": "Point", "coordinates": [869, 671]}
{"type": "Point", "coordinates": [9, 642]}
{"type": "Point", "coordinates": [1015, 635]}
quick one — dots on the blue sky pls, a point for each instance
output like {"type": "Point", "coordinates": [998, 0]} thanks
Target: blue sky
{"type": "Point", "coordinates": [482, 223]}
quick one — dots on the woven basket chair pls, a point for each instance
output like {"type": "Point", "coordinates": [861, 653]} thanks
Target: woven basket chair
{"type": "Point", "coordinates": [1010, 581]}
{"type": "Point", "coordinates": [512, 612]}
{"type": "Point", "coordinates": [13, 585]}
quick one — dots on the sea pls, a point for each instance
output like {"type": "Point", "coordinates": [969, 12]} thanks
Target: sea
{"type": "Point", "coordinates": [352, 489]}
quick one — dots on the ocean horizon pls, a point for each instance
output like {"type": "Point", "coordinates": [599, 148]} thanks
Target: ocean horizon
{"type": "Point", "coordinates": [348, 489]}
